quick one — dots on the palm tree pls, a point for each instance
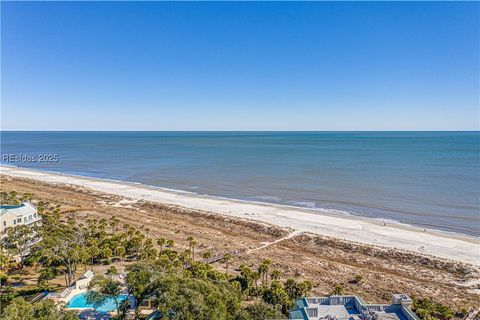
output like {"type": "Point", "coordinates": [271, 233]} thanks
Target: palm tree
{"type": "Point", "coordinates": [275, 275]}
{"type": "Point", "coordinates": [102, 288]}
{"type": "Point", "coordinates": [266, 267]}
{"type": "Point", "coordinates": [107, 254]}
{"type": "Point", "coordinates": [103, 224]}
{"type": "Point", "coordinates": [207, 255]}
{"type": "Point", "coordinates": [255, 277]}
{"type": "Point", "coordinates": [121, 252]}
{"type": "Point", "coordinates": [304, 287]}
{"type": "Point", "coordinates": [94, 251]}
{"type": "Point", "coordinates": [185, 257]}
{"type": "Point", "coordinates": [247, 274]}
{"type": "Point", "coordinates": [114, 223]}
{"type": "Point", "coordinates": [226, 259]}
{"type": "Point", "coordinates": [161, 242]}
{"type": "Point", "coordinates": [192, 243]}
{"type": "Point", "coordinates": [263, 271]}
{"type": "Point", "coordinates": [170, 243]}
{"type": "Point", "coordinates": [337, 290]}
{"type": "Point", "coordinates": [148, 250]}
{"type": "Point", "coordinates": [137, 244]}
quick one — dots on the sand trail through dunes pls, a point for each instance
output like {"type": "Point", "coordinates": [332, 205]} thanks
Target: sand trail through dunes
{"type": "Point", "coordinates": [267, 244]}
{"type": "Point", "coordinates": [441, 244]}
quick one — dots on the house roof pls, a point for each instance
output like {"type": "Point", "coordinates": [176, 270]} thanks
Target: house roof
{"type": "Point", "coordinates": [297, 314]}
{"type": "Point", "coordinates": [23, 209]}
{"type": "Point", "coordinates": [87, 274]}
{"type": "Point", "coordinates": [348, 307]}
{"type": "Point", "coordinates": [301, 303]}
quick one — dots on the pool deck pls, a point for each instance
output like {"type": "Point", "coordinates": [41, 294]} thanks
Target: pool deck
{"type": "Point", "coordinates": [73, 291]}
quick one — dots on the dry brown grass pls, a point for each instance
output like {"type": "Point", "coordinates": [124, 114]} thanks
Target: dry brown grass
{"type": "Point", "coordinates": [325, 261]}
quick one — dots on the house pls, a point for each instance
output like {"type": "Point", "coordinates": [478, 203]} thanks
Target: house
{"type": "Point", "coordinates": [23, 214]}
{"type": "Point", "coordinates": [83, 282]}
{"type": "Point", "coordinates": [352, 308]}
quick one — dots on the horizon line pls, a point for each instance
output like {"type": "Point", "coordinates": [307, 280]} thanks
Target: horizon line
{"type": "Point", "coordinates": [477, 130]}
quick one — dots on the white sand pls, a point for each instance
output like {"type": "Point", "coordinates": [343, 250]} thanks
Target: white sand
{"type": "Point", "coordinates": [369, 231]}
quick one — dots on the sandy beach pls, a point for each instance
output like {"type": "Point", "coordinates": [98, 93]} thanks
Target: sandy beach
{"type": "Point", "coordinates": [256, 232]}
{"type": "Point", "coordinates": [441, 244]}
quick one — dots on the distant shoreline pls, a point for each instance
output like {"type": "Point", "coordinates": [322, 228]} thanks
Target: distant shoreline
{"type": "Point", "coordinates": [321, 211]}
{"type": "Point", "coordinates": [428, 180]}
{"type": "Point", "coordinates": [352, 228]}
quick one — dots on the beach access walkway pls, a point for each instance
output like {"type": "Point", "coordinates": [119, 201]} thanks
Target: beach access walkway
{"type": "Point", "coordinates": [236, 252]}
{"type": "Point", "coordinates": [446, 245]}
{"type": "Point", "coordinates": [267, 244]}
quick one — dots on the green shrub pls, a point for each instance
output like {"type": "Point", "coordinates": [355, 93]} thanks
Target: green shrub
{"type": "Point", "coordinates": [259, 311]}
{"type": "Point", "coordinates": [3, 279]}
{"type": "Point", "coordinates": [112, 270]}
{"type": "Point", "coordinates": [358, 278]}
{"type": "Point", "coordinates": [429, 310]}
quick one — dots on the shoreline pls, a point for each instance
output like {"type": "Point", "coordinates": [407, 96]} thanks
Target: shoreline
{"type": "Point", "coordinates": [368, 231]}
{"type": "Point", "coordinates": [322, 211]}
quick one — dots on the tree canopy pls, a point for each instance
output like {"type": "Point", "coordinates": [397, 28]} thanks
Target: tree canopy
{"type": "Point", "coordinates": [19, 309]}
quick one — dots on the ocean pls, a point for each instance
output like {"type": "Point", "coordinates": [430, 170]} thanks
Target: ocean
{"type": "Point", "coordinates": [428, 179]}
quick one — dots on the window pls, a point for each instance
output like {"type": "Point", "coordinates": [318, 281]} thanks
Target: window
{"type": "Point", "coordinates": [29, 217]}
{"type": "Point", "coordinates": [312, 312]}
{"type": "Point", "coordinates": [14, 221]}
{"type": "Point", "coordinates": [19, 220]}
{"type": "Point", "coordinates": [4, 223]}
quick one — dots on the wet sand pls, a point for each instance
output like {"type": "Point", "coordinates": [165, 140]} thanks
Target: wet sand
{"type": "Point", "coordinates": [352, 228]}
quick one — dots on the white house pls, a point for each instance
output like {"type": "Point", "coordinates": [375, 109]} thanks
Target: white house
{"type": "Point", "coordinates": [83, 282]}
{"type": "Point", "coordinates": [23, 214]}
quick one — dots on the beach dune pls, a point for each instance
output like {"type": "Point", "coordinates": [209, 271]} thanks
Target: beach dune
{"type": "Point", "coordinates": [441, 244]}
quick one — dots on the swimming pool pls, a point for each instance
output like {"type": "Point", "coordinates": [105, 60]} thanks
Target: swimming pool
{"type": "Point", "coordinates": [80, 301]}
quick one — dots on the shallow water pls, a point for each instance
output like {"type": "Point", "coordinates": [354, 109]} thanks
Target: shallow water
{"type": "Point", "coordinates": [430, 179]}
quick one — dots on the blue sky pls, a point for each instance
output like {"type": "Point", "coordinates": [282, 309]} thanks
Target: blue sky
{"type": "Point", "coordinates": [240, 66]}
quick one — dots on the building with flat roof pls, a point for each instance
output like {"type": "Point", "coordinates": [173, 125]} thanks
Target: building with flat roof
{"type": "Point", "coordinates": [23, 214]}
{"type": "Point", "coordinates": [352, 308]}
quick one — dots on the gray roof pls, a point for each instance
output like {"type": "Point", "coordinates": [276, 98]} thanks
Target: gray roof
{"type": "Point", "coordinates": [352, 307]}
{"type": "Point", "coordinates": [337, 311]}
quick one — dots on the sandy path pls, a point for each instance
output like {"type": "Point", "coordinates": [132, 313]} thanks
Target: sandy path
{"type": "Point", "coordinates": [291, 235]}
{"type": "Point", "coordinates": [441, 244]}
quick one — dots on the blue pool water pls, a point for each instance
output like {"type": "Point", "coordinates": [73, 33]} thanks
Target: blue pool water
{"type": "Point", "coordinates": [80, 301]}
